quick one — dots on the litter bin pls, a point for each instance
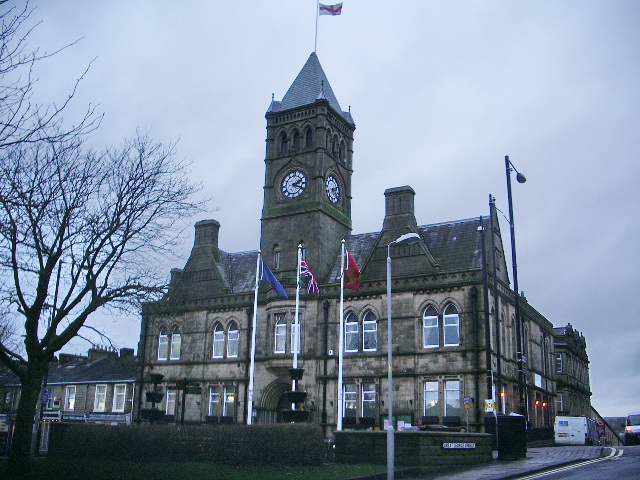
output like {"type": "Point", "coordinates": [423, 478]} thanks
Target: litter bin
{"type": "Point", "coordinates": [490, 428]}
{"type": "Point", "coordinates": [512, 442]}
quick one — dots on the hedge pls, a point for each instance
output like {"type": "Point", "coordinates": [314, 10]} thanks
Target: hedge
{"type": "Point", "coordinates": [278, 444]}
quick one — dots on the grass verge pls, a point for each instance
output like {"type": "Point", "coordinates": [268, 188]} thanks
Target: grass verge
{"type": "Point", "coordinates": [47, 469]}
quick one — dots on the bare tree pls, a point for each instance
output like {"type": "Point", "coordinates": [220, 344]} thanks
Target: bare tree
{"type": "Point", "coordinates": [79, 229]}
{"type": "Point", "coordinates": [22, 120]}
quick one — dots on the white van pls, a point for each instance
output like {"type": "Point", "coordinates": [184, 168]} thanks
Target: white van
{"type": "Point", "coordinates": [632, 429]}
{"type": "Point", "coordinates": [576, 431]}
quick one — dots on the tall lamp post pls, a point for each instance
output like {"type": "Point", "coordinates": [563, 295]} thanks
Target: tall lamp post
{"type": "Point", "coordinates": [521, 386]}
{"type": "Point", "coordinates": [390, 432]}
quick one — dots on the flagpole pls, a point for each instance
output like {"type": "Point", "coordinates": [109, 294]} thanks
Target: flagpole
{"type": "Point", "coordinates": [341, 342]}
{"type": "Point", "coordinates": [252, 366]}
{"type": "Point", "coordinates": [296, 338]}
{"type": "Point", "coordinates": [315, 45]}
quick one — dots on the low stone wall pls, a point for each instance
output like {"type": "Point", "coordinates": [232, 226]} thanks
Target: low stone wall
{"type": "Point", "coordinates": [418, 449]}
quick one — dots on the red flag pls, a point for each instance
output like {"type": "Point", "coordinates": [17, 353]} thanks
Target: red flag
{"type": "Point", "coordinates": [352, 274]}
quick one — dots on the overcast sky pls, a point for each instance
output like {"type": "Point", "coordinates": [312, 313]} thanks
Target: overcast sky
{"type": "Point", "coordinates": [440, 92]}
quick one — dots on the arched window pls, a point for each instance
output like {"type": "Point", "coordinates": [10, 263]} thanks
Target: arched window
{"type": "Point", "coordinates": [280, 334]}
{"type": "Point", "coordinates": [369, 332]}
{"type": "Point", "coordinates": [163, 345]}
{"type": "Point", "coordinates": [351, 333]}
{"type": "Point", "coordinates": [308, 138]}
{"type": "Point", "coordinates": [451, 326]}
{"type": "Point", "coordinates": [296, 141]}
{"type": "Point", "coordinates": [176, 344]}
{"type": "Point", "coordinates": [334, 145]}
{"type": "Point", "coordinates": [218, 340]}
{"type": "Point", "coordinates": [283, 144]}
{"type": "Point", "coordinates": [343, 152]}
{"type": "Point", "coordinates": [430, 328]}
{"type": "Point", "coordinates": [233, 339]}
{"type": "Point", "coordinates": [276, 257]}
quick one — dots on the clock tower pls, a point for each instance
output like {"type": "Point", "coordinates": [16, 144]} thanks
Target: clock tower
{"type": "Point", "coordinates": [308, 167]}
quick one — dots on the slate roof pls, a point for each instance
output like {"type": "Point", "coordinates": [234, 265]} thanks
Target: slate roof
{"type": "Point", "coordinates": [240, 270]}
{"type": "Point", "coordinates": [310, 85]}
{"type": "Point", "coordinates": [455, 246]}
{"type": "Point", "coordinates": [107, 369]}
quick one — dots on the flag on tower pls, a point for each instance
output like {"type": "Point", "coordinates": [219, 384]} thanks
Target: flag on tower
{"type": "Point", "coordinates": [312, 283]}
{"type": "Point", "coordinates": [330, 9]}
{"type": "Point", "coordinates": [268, 276]}
{"type": "Point", "coordinates": [352, 274]}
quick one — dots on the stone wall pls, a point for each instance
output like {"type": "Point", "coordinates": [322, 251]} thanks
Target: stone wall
{"type": "Point", "coordinates": [418, 449]}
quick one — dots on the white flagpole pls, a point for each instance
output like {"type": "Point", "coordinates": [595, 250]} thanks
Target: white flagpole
{"type": "Point", "coordinates": [252, 365]}
{"type": "Point", "coordinates": [315, 45]}
{"type": "Point", "coordinates": [341, 342]}
{"type": "Point", "coordinates": [295, 340]}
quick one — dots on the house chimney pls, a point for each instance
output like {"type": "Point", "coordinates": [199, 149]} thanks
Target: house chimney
{"type": "Point", "coordinates": [64, 358]}
{"type": "Point", "coordinates": [126, 352]}
{"type": "Point", "coordinates": [207, 233]}
{"type": "Point", "coordinates": [399, 212]}
{"type": "Point", "coordinates": [96, 353]}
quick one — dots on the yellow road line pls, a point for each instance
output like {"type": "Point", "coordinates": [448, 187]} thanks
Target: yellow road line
{"type": "Point", "coordinates": [615, 453]}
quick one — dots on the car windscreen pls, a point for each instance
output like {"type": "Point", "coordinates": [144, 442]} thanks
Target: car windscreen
{"type": "Point", "coordinates": [633, 420]}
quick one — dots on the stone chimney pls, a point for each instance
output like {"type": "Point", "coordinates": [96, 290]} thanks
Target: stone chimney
{"type": "Point", "coordinates": [96, 353]}
{"type": "Point", "coordinates": [126, 352]}
{"type": "Point", "coordinates": [206, 233]}
{"type": "Point", "coordinates": [64, 358]}
{"type": "Point", "coordinates": [399, 210]}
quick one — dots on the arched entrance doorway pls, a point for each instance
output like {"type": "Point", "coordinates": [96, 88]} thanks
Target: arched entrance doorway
{"type": "Point", "coordinates": [272, 402]}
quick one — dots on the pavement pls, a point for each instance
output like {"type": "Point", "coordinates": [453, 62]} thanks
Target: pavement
{"type": "Point", "coordinates": [537, 460]}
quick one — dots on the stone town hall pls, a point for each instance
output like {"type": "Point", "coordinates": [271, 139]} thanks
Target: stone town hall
{"type": "Point", "coordinates": [445, 327]}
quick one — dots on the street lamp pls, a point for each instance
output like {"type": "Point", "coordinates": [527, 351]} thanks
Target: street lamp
{"type": "Point", "coordinates": [521, 386]}
{"type": "Point", "coordinates": [390, 436]}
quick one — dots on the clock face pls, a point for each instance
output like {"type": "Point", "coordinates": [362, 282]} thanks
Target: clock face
{"type": "Point", "coordinates": [294, 184]}
{"type": "Point", "coordinates": [333, 189]}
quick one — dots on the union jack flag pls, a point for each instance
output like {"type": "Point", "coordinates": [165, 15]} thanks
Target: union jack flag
{"type": "Point", "coordinates": [312, 283]}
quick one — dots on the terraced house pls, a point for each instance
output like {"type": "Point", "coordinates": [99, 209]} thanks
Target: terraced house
{"type": "Point", "coordinates": [454, 331]}
{"type": "Point", "coordinates": [97, 388]}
